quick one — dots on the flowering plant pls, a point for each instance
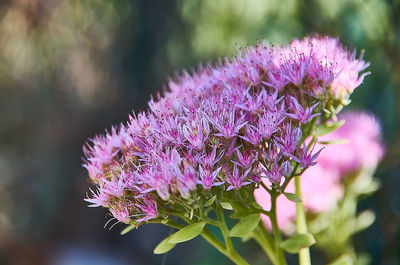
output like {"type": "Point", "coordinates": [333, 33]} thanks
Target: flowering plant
{"type": "Point", "coordinates": [217, 136]}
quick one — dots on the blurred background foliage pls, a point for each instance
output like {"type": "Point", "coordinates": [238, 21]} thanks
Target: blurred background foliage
{"type": "Point", "coordinates": [70, 68]}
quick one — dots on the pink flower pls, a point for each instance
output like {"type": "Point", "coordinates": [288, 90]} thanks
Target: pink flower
{"type": "Point", "coordinates": [149, 209]}
{"type": "Point", "coordinates": [363, 149]}
{"type": "Point", "coordinates": [274, 173]}
{"type": "Point", "coordinates": [187, 181]}
{"type": "Point", "coordinates": [227, 122]}
{"type": "Point", "coordinates": [120, 212]}
{"type": "Point", "coordinates": [289, 139]}
{"type": "Point", "coordinates": [246, 158]}
{"type": "Point", "coordinates": [252, 135]}
{"type": "Point", "coordinates": [207, 178]}
{"type": "Point", "coordinates": [99, 198]}
{"type": "Point", "coordinates": [302, 114]}
{"type": "Point", "coordinates": [306, 159]}
{"type": "Point", "coordinates": [236, 179]}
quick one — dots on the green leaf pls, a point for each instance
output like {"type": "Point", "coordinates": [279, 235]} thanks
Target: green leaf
{"type": "Point", "coordinates": [292, 197]}
{"type": "Point", "coordinates": [239, 208]}
{"type": "Point", "coordinates": [337, 141]}
{"type": "Point", "coordinates": [164, 246]}
{"type": "Point", "coordinates": [191, 214]}
{"type": "Point", "coordinates": [240, 211]}
{"type": "Point", "coordinates": [210, 201]}
{"type": "Point", "coordinates": [345, 102]}
{"type": "Point", "coordinates": [364, 220]}
{"type": "Point", "coordinates": [226, 205]}
{"type": "Point", "coordinates": [364, 183]}
{"type": "Point", "coordinates": [297, 242]}
{"type": "Point", "coordinates": [127, 229]}
{"type": "Point", "coordinates": [343, 260]}
{"type": "Point", "coordinates": [246, 237]}
{"type": "Point", "coordinates": [256, 205]}
{"type": "Point", "coordinates": [187, 233]}
{"type": "Point", "coordinates": [245, 226]}
{"type": "Point", "coordinates": [327, 111]}
{"type": "Point", "coordinates": [363, 259]}
{"type": "Point", "coordinates": [324, 129]}
{"type": "Point", "coordinates": [372, 187]}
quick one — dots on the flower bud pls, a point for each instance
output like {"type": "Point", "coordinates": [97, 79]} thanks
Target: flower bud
{"type": "Point", "coordinates": [286, 168]}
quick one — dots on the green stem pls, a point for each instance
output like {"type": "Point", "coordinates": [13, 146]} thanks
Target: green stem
{"type": "Point", "coordinates": [301, 224]}
{"type": "Point", "coordinates": [230, 249]}
{"type": "Point", "coordinates": [313, 140]}
{"type": "Point", "coordinates": [264, 239]}
{"type": "Point", "coordinates": [215, 242]}
{"type": "Point", "coordinates": [265, 187]}
{"type": "Point", "coordinates": [277, 233]}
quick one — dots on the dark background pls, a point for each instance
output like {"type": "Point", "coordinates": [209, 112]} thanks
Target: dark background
{"type": "Point", "coordinates": [71, 68]}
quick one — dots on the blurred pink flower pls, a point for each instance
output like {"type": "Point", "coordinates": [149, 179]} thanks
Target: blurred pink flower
{"type": "Point", "coordinates": [364, 150]}
{"type": "Point", "coordinates": [320, 184]}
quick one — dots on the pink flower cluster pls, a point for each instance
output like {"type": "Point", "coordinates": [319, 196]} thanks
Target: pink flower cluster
{"type": "Point", "coordinates": [362, 148]}
{"type": "Point", "coordinates": [228, 126]}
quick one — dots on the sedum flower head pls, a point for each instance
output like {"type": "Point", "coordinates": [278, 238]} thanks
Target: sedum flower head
{"type": "Point", "coordinates": [223, 128]}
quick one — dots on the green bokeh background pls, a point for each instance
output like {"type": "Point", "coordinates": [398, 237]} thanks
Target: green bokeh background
{"type": "Point", "coordinates": [70, 68]}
